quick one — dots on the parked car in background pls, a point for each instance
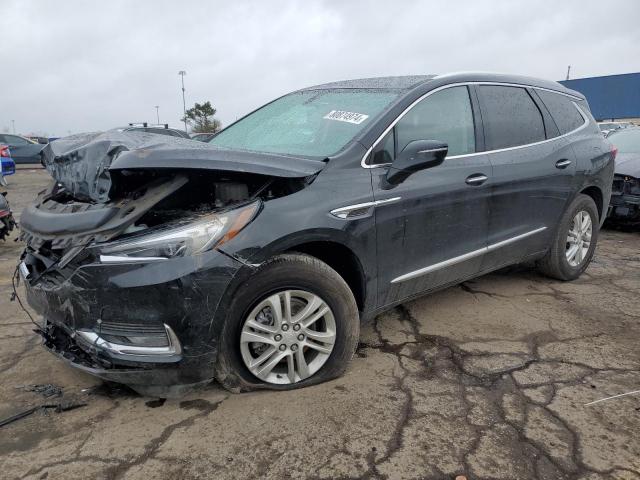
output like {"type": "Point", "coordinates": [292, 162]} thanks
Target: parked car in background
{"type": "Point", "coordinates": [608, 127]}
{"type": "Point", "coordinates": [254, 258]}
{"type": "Point", "coordinates": [41, 140]}
{"type": "Point", "coordinates": [162, 129]}
{"type": "Point", "coordinates": [625, 195]}
{"type": "Point", "coordinates": [202, 137]}
{"type": "Point", "coordinates": [23, 150]}
{"type": "Point", "coordinates": [7, 165]}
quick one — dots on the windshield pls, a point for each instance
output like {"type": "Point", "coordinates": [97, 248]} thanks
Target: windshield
{"type": "Point", "coordinates": [627, 140]}
{"type": "Point", "coordinates": [315, 123]}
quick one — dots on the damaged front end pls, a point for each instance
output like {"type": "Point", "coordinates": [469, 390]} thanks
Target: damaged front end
{"type": "Point", "coordinates": [625, 200]}
{"type": "Point", "coordinates": [122, 257]}
{"type": "Point", "coordinates": [7, 222]}
{"type": "Point", "coordinates": [624, 208]}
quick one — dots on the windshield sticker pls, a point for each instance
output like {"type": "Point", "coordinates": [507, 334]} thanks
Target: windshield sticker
{"type": "Point", "coordinates": [349, 117]}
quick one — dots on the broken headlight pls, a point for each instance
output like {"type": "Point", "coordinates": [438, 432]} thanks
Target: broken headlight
{"type": "Point", "coordinates": [189, 239]}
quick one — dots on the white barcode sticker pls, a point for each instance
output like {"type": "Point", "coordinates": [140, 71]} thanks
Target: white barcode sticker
{"type": "Point", "coordinates": [349, 117]}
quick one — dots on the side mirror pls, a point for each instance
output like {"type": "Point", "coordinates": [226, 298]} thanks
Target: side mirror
{"type": "Point", "coordinates": [417, 155]}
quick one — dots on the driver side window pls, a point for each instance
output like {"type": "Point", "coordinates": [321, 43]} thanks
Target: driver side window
{"type": "Point", "coordinates": [445, 116]}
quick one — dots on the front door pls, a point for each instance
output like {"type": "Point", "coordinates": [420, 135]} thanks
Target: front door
{"type": "Point", "coordinates": [432, 228]}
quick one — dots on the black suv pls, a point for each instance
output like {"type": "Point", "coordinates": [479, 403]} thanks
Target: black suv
{"type": "Point", "coordinates": [253, 258]}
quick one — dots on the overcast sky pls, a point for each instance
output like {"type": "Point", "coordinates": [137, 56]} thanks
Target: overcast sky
{"type": "Point", "coordinates": [72, 66]}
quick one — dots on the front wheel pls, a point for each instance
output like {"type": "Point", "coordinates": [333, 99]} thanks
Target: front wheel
{"type": "Point", "coordinates": [294, 323]}
{"type": "Point", "coordinates": [575, 241]}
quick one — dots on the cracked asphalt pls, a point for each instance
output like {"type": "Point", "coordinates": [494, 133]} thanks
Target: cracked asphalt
{"type": "Point", "coordinates": [485, 380]}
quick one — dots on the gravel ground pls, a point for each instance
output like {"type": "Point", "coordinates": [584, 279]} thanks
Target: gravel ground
{"type": "Point", "coordinates": [487, 380]}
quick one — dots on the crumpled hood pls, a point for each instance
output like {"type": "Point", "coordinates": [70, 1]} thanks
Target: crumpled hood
{"type": "Point", "coordinates": [628, 164]}
{"type": "Point", "coordinates": [82, 163]}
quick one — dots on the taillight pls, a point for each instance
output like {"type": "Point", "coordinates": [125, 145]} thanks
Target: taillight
{"type": "Point", "coordinates": [4, 152]}
{"type": "Point", "coordinates": [614, 152]}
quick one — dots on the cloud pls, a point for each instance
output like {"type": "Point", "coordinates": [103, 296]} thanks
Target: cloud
{"type": "Point", "coordinates": [79, 66]}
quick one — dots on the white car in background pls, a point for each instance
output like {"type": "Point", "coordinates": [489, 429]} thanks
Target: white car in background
{"type": "Point", "coordinates": [607, 127]}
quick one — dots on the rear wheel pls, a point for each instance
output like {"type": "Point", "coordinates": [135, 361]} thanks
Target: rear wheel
{"type": "Point", "coordinates": [575, 241]}
{"type": "Point", "coordinates": [294, 323]}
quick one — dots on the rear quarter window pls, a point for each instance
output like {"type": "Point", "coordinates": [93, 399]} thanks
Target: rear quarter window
{"type": "Point", "coordinates": [510, 116]}
{"type": "Point", "coordinates": [563, 111]}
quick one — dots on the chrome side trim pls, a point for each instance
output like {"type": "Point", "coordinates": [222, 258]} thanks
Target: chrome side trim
{"type": "Point", "coordinates": [466, 256]}
{"type": "Point", "coordinates": [93, 339]}
{"type": "Point", "coordinates": [24, 271]}
{"type": "Point", "coordinates": [387, 200]}
{"type": "Point", "coordinates": [343, 212]}
{"type": "Point", "coordinates": [433, 150]}
{"type": "Point", "coordinates": [509, 84]}
{"type": "Point", "coordinates": [508, 241]}
{"type": "Point", "coordinates": [364, 164]}
{"type": "Point", "coordinates": [438, 266]}
{"type": "Point", "coordinates": [125, 259]}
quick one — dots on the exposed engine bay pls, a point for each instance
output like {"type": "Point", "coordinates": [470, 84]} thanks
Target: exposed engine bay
{"type": "Point", "coordinates": [110, 184]}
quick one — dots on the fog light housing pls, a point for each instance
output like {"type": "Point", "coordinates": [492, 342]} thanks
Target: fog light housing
{"type": "Point", "coordinates": [135, 335]}
{"type": "Point", "coordinates": [130, 340]}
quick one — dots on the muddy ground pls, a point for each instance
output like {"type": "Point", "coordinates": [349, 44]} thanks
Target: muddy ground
{"type": "Point", "coordinates": [488, 380]}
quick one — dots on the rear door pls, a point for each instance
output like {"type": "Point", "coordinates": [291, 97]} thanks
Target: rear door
{"type": "Point", "coordinates": [533, 169]}
{"type": "Point", "coordinates": [432, 228]}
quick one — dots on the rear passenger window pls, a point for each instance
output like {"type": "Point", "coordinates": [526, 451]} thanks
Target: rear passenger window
{"type": "Point", "coordinates": [445, 116]}
{"type": "Point", "coordinates": [510, 117]}
{"type": "Point", "coordinates": [563, 111]}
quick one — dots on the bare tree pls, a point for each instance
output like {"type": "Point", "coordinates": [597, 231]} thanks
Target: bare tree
{"type": "Point", "coordinates": [202, 119]}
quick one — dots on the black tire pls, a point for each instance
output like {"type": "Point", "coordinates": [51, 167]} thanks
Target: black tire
{"type": "Point", "coordinates": [555, 264]}
{"type": "Point", "coordinates": [296, 272]}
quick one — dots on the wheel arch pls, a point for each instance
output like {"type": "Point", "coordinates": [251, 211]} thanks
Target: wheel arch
{"type": "Point", "coordinates": [597, 196]}
{"type": "Point", "coordinates": [342, 259]}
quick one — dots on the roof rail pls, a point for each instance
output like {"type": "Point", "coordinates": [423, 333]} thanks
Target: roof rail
{"type": "Point", "coordinates": [145, 125]}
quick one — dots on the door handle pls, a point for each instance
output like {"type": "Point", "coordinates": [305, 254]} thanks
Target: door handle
{"type": "Point", "coordinates": [476, 179]}
{"type": "Point", "coordinates": [564, 163]}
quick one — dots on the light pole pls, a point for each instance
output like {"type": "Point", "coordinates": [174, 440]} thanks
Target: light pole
{"type": "Point", "coordinates": [182, 73]}
{"type": "Point", "coordinates": [158, 113]}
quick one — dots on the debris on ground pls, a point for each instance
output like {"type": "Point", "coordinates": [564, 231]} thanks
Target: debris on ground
{"type": "Point", "coordinates": [58, 408]}
{"type": "Point", "coordinates": [47, 390]}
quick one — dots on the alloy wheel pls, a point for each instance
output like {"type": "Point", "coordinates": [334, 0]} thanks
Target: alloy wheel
{"type": "Point", "coordinates": [579, 238]}
{"type": "Point", "coordinates": [288, 337]}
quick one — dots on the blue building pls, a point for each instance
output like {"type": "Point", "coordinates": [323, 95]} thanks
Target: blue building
{"type": "Point", "coordinates": [613, 97]}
